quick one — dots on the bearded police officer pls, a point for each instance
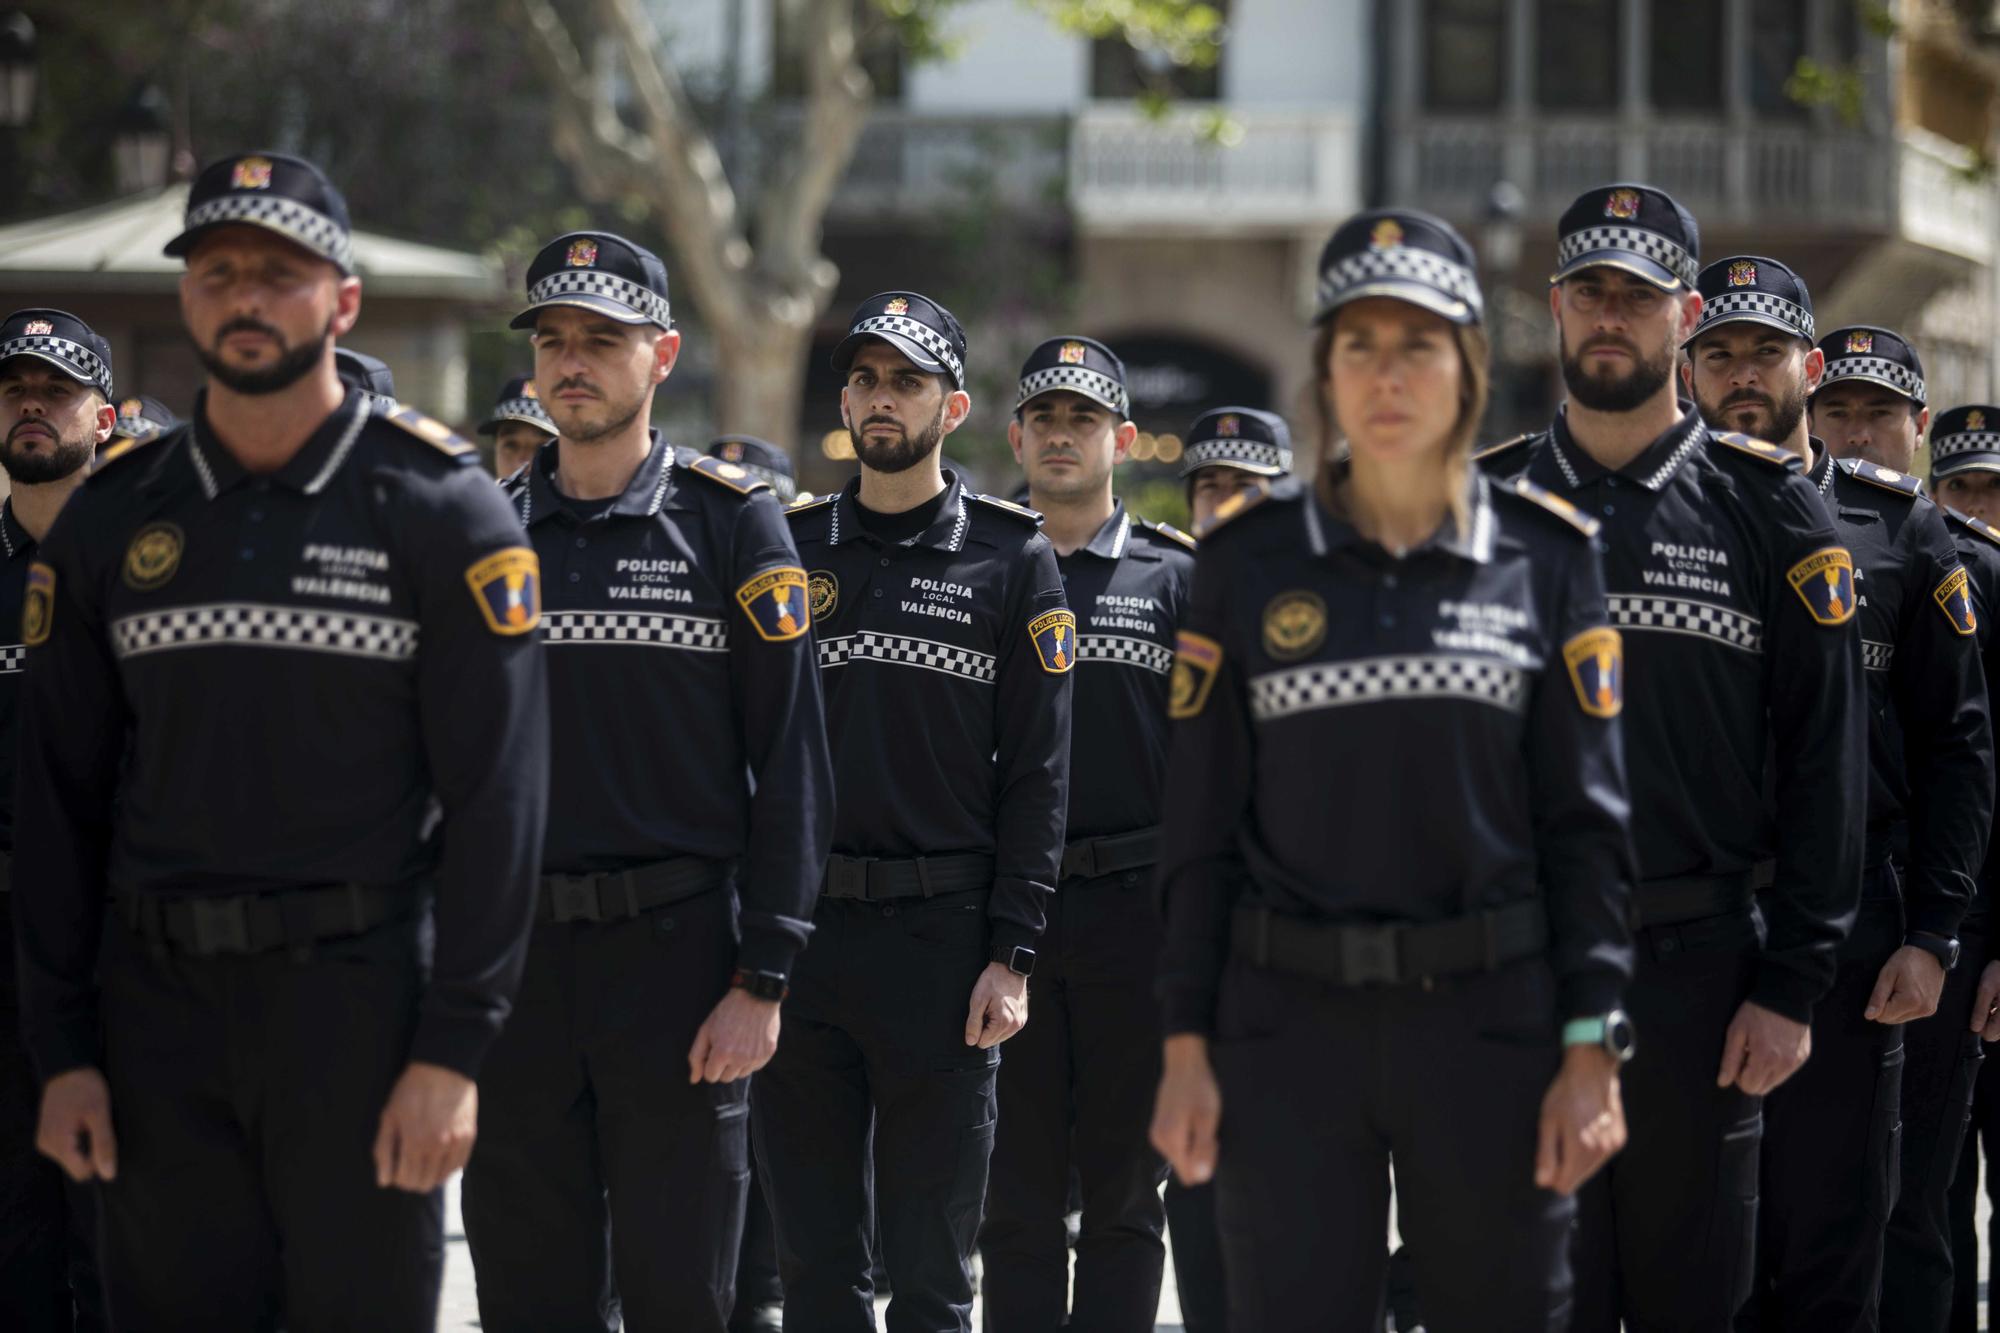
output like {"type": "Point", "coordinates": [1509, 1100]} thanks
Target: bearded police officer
{"type": "Point", "coordinates": [282, 684]}
{"type": "Point", "coordinates": [1075, 1086]}
{"type": "Point", "coordinates": [1736, 600]}
{"type": "Point", "coordinates": [946, 649]}
{"type": "Point", "coordinates": [1751, 367]}
{"type": "Point", "coordinates": [1232, 449]}
{"type": "Point", "coordinates": [518, 424]}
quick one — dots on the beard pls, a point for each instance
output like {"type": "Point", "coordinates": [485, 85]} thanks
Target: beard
{"type": "Point", "coordinates": [1784, 412]}
{"type": "Point", "coordinates": [900, 454]}
{"type": "Point", "coordinates": [293, 363]}
{"type": "Point", "coordinates": [1621, 393]}
{"type": "Point", "coordinates": [572, 425]}
{"type": "Point", "coordinates": [71, 454]}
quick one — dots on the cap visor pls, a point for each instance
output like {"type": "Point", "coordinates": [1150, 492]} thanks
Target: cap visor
{"type": "Point", "coordinates": [179, 247]}
{"type": "Point", "coordinates": [1625, 262]}
{"type": "Point", "coordinates": [1977, 460]}
{"type": "Point", "coordinates": [1254, 469]}
{"type": "Point", "coordinates": [843, 355]}
{"type": "Point", "coordinates": [492, 424]}
{"type": "Point", "coordinates": [1415, 293]}
{"type": "Point", "coordinates": [1746, 317]}
{"type": "Point", "coordinates": [601, 305]}
{"type": "Point", "coordinates": [69, 368]}
{"type": "Point", "coordinates": [1099, 399]}
{"type": "Point", "coordinates": [1851, 377]}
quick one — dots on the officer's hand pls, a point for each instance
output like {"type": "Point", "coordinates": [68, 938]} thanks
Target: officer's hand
{"type": "Point", "coordinates": [1762, 1049]}
{"type": "Point", "coordinates": [1188, 1111]}
{"type": "Point", "coordinates": [427, 1128]}
{"type": "Point", "coordinates": [75, 1131]}
{"type": "Point", "coordinates": [1583, 1120]}
{"type": "Point", "coordinates": [999, 1007]}
{"type": "Point", "coordinates": [736, 1040]}
{"type": "Point", "coordinates": [1908, 988]}
{"type": "Point", "coordinates": [1986, 1008]}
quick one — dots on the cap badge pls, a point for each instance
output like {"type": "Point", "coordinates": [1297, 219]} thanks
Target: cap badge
{"type": "Point", "coordinates": [1070, 354]}
{"type": "Point", "coordinates": [1975, 420]}
{"type": "Point", "coordinates": [897, 306]}
{"type": "Point", "coordinates": [1861, 342]}
{"type": "Point", "coordinates": [131, 407]}
{"type": "Point", "coordinates": [1742, 273]}
{"type": "Point", "coordinates": [733, 451]}
{"type": "Point", "coordinates": [251, 173]}
{"type": "Point", "coordinates": [38, 326]}
{"type": "Point", "coordinates": [1622, 204]}
{"type": "Point", "coordinates": [582, 254]}
{"type": "Point", "coordinates": [528, 389]}
{"type": "Point", "coordinates": [1386, 235]}
{"type": "Point", "coordinates": [1228, 425]}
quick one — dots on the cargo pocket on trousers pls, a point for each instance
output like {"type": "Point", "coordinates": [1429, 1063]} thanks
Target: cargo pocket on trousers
{"type": "Point", "coordinates": [727, 1190]}
{"type": "Point", "coordinates": [1737, 1167]}
{"type": "Point", "coordinates": [1885, 1135]}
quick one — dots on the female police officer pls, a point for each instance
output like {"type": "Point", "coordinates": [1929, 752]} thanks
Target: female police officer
{"type": "Point", "coordinates": [1396, 856]}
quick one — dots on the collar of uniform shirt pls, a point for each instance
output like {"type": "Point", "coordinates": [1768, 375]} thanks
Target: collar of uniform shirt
{"type": "Point", "coordinates": [651, 489]}
{"type": "Point", "coordinates": [1652, 469]}
{"type": "Point", "coordinates": [307, 471]}
{"type": "Point", "coordinates": [947, 534]}
{"type": "Point", "coordinates": [1111, 539]}
{"type": "Point", "coordinates": [13, 537]}
{"type": "Point", "coordinates": [1327, 530]}
{"type": "Point", "coordinates": [1820, 474]}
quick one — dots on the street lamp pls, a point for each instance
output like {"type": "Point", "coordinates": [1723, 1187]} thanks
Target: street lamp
{"type": "Point", "coordinates": [143, 143]}
{"type": "Point", "coordinates": [17, 70]}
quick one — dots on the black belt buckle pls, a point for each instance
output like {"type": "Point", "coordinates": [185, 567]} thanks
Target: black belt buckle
{"type": "Point", "coordinates": [847, 876]}
{"type": "Point", "coordinates": [1080, 859]}
{"type": "Point", "coordinates": [1368, 955]}
{"type": "Point", "coordinates": [572, 898]}
{"type": "Point", "coordinates": [220, 925]}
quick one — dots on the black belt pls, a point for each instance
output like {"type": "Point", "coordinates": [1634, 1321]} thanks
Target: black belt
{"type": "Point", "coordinates": [1393, 954]}
{"type": "Point", "coordinates": [619, 894]}
{"type": "Point", "coordinates": [1089, 857]}
{"type": "Point", "coordinates": [247, 923]}
{"type": "Point", "coordinates": [1670, 901]}
{"type": "Point", "coordinates": [874, 878]}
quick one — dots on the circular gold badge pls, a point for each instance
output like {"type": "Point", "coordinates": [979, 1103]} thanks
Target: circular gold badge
{"type": "Point", "coordinates": [822, 594]}
{"type": "Point", "coordinates": [1294, 625]}
{"type": "Point", "coordinates": [153, 556]}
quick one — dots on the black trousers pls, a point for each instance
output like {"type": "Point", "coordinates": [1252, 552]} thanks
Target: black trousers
{"type": "Point", "coordinates": [1983, 1140]}
{"type": "Point", "coordinates": [1666, 1231]}
{"type": "Point", "coordinates": [874, 1046]}
{"type": "Point", "coordinates": [757, 1260]}
{"type": "Point", "coordinates": [1197, 1257]}
{"type": "Point", "coordinates": [246, 1093]}
{"type": "Point", "coordinates": [1942, 1060]}
{"type": "Point", "coordinates": [1076, 1094]}
{"type": "Point", "coordinates": [596, 1155]}
{"type": "Point", "coordinates": [1322, 1086]}
{"type": "Point", "coordinates": [1832, 1157]}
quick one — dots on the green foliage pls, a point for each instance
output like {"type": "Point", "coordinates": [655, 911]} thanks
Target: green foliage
{"type": "Point", "coordinates": [1188, 32]}
{"type": "Point", "coordinates": [1841, 87]}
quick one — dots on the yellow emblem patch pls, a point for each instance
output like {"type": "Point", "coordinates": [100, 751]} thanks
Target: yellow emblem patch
{"type": "Point", "coordinates": [775, 601]}
{"type": "Point", "coordinates": [38, 611]}
{"type": "Point", "coordinates": [1054, 636]}
{"type": "Point", "coordinates": [1824, 581]}
{"type": "Point", "coordinates": [1954, 598]}
{"type": "Point", "coordinates": [153, 556]}
{"type": "Point", "coordinates": [822, 593]}
{"type": "Point", "coordinates": [1596, 662]}
{"type": "Point", "coordinates": [508, 587]}
{"type": "Point", "coordinates": [1294, 625]}
{"type": "Point", "coordinates": [1197, 662]}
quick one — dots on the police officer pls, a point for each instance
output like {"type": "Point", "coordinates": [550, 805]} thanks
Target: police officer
{"type": "Point", "coordinates": [142, 418]}
{"type": "Point", "coordinates": [1232, 449]}
{"type": "Point", "coordinates": [1076, 1086]}
{"type": "Point", "coordinates": [1736, 599]}
{"type": "Point", "coordinates": [689, 752]}
{"type": "Point", "coordinates": [519, 424]}
{"type": "Point", "coordinates": [282, 680]}
{"type": "Point", "coordinates": [946, 650]}
{"type": "Point", "coordinates": [1426, 650]}
{"type": "Point", "coordinates": [1751, 367]}
{"type": "Point", "coordinates": [1966, 478]}
{"type": "Point", "coordinates": [762, 460]}
{"type": "Point", "coordinates": [55, 412]}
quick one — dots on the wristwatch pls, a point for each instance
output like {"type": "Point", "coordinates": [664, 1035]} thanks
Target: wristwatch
{"type": "Point", "coordinates": [1941, 947]}
{"type": "Point", "coordinates": [761, 985]}
{"type": "Point", "coordinates": [1612, 1031]}
{"type": "Point", "coordinates": [1019, 961]}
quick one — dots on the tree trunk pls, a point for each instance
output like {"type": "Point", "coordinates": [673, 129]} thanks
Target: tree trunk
{"type": "Point", "coordinates": [760, 381]}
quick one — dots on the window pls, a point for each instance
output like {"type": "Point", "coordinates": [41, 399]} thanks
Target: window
{"type": "Point", "coordinates": [1684, 63]}
{"type": "Point", "coordinates": [1777, 41]}
{"type": "Point", "coordinates": [1577, 54]}
{"type": "Point", "coordinates": [1120, 70]}
{"type": "Point", "coordinates": [1465, 54]}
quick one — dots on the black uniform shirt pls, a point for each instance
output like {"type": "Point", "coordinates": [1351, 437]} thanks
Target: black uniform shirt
{"type": "Point", "coordinates": [312, 666]}
{"type": "Point", "coordinates": [1397, 740]}
{"type": "Point", "coordinates": [1128, 587]}
{"type": "Point", "coordinates": [17, 548]}
{"type": "Point", "coordinates": [1735, 598]}
{"type": "Point", "coordinates": [684, 703]}
{"type": "Point", "coordinates": [1978, 545]}
{"type": "Point", "coordinates": [946, 661]}
{"type": "Point", "coordinates": [1930, 749]}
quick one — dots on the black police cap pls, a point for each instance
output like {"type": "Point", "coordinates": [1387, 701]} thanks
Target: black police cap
{"type": "Point", "coordinates": [363, 371]}
{"type": "Point", "coordinates": [1750, 289]}
{"type": "Point", "coordinates": [761, 459]}
{"type": "Point", "coordinates": [1639, 229]}
{"type": "Point", "coordinates": [276, 191]}
{"type": "Point", "coordinates": [518, 401]}
{"type": "Point", "coordinates": [1966, 439]}
{"type": "Point", "coordinates": [1863, 353]}
{"type": "Point", "coordinates": [918, 327]}
{"type": "Point", "coordinates": [601, 272]}
{"type": "Point", "coordinates": [1076, 365]}
{"type": "Point", "coordinates": [59, 339]}
{"type": "Point", "coordinates": [1239, 437]}
{"type": "Point", "coordinates": [1404, 254]}
{"type": "Point", "coordinates": [143, 416]}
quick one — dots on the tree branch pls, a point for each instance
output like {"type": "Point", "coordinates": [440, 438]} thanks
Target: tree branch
{"type": "Point", "coordinates": [792, 212]}
{"type": "Point", "coordinates": [609, 159]}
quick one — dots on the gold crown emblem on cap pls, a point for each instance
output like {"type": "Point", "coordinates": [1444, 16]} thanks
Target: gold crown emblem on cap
{"type": "Point", "coordinates": [1386, 234]}
{"type": "Point", "coordinates": [1861, 342]}
{"type": "Point", "coordinates": [733, 451]}
{"type": "Point", "coordinates": [251, 173]}
{"type": "Point", "coordinates": [1975, 420]}
{"type": "Point", "coordinates": [582, 254]}
{"type": "Point", "coordinates": [1622, 204]}
{"type": "Point", "coordinates": [1070, 354]}
{"type": "Point", "coordinates": [131, 407]}
{"type": "Point", "coordinates": [1228, 425]}
{"type": "Point", "coordinates": [38, 326]}
{"type": "Point", "coordinates": [897, 306]}
{"type": "Point", "coordinates": [1742, 273]}
{"type": "Point", "coordinates": [528, 390]}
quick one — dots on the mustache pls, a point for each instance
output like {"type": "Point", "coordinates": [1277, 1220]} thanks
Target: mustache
{"type": "Point", "coordinates": [573, 382]}
{"type": "Point", "coordinates": [245, 324]}
{"type": "Point", "coordinates": [32, 423]}
{"type": "Point", "coordinates": [1606, 340]}
{"type": "Point", "coordinates": [1747, 397]}
{"type": "Point", "coordinates": [884, 421]}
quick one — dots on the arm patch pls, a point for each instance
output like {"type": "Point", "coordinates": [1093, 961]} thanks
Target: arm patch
{"type": "Point", "coordinates": [738, 479]}
{"type": "Point", "coordinates": [38, 611]}
{"type": "Point", "coordinates": [1954, 598]}
{"type": "Point", "coordinates": [1824, 581]}
{"type": "Point", "coordinates": [775, 601]}
{"type": "Point", "coordinates": [508, 587]}
{"type": "Point", "coordinates": [1054, 636]}
{"type": "Point", "coordinates": [1596, 662]}
{"type": "Point", "coordinates": [1197, 662]}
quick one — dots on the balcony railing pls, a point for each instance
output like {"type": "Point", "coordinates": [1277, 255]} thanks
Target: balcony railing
{"type": "Point", "coordinates": [919, 163]}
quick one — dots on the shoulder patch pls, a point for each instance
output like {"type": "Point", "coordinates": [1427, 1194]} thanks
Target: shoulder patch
{"type": "Point", "coordinates": [428, 429]}
{"type": "Point", "coordinates": [38, 609]}
{"type": "Point", "coordinates": [125, 449]}
{"type": "Point", "coordinates": [1054, 635]}
{"type": "Point", "coordinates": [1484, 452]}
{"type": "Point", "coordinates": [1555, 504]}
{"type": "Point", "coordinates": [798, 507]}
{"type": "Point", "coordinates": [1235, 507]}
{"type": "Point", "coordinates": [1887, 478]}
{"type": "Point", "coordinates": [1170, 532]}
{"type": "Point", "coordinates": [1596, 662]}
{"type": "Point", "coordinates": [1197, 659]}
{"type": "Point", "coordinates": [1824, 581]}
{"type": "Point", "coordinates": [1018, 511]}
{"type": "Point", "coordinates": [1954, 598]}
{"type": "Point", "coordinates": [738, 479]}
{"type": "Point", "coordinates": [775, 601]}
{"type": "Point", "coordinates": [1976, 525]}
{"type": "Point", "coordinates": [1760, 450]}
{"type": "Point", "coordinates": [507, 587]}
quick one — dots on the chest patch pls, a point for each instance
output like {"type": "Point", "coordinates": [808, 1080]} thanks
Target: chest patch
{"type": "Point", "coordinates": [153, 557]}
{"type": "Point", "coordinates": [1294, 625]}
{"type": "Point", "coordinates": [822, 593]}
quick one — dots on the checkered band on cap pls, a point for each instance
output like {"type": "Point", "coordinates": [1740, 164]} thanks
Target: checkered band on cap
{"type": "Point", "coordinates": [1669, 255]}
{"type": "Point", "coordinates": [72, 354]}
{"type": "Point", "coordinates": [596, 282]}
{"type": "Point", "coordinates": [519, 408]}
{"type": "Point", "coordinates": [1761, 305]}
{"type": "Point", "coordinates": [308, 226]}
{"type": "Point", "coordinates": [1964, 442]}
{"type": "Point", "coordinates": [1089, 383]}
{"type": "Point", "coordinates": [1399, 263]}
{"type": "Point", "coordinates": [1202, 453]}
{"type": "Point", "coordinates": [1881, 370]}
{"type": "Point", "coordinates": [918, 332]}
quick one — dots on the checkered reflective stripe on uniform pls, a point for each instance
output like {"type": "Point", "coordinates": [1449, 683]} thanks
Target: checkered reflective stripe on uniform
{"type": "Point", "coordinates": [1881, 370]}
{"type": "Point", "coordinates": [308, 226]}
{"type": "Point", "coordinates": [657, 629]}
{"type": "Point", "coordinates": [1876, 656]}
{"type": "Point", "coordinates": [1232, 450]}
{"type": "Point", "coordinates": [918, 332]}
{"type": "Point", "coordinates": [1678, 615]}
{"type": "Point", "coordinates": [1477, 680]}
{"type": "Point", "coordinates": [1964, 442]}
{"type": "Point", "coordinates": [72, 355]}
{"type": "Point", "coordinates": [903, 650]}
{"type": "Point", "coordinates": [1082, 379]}
{"type": "Point", "coordinates": [1119, 648]}
{"type": "Point", "coordinates": [596, 282]}
{"type": "Point", "coordinates": [250, 624]}
{"type": "Point", "coordinates": [1669, 255]}
{"type": "Point", "coordinates": [1399, 263]}
{"type": "Point", "coordinates": [1762, 305]}
{"type": "Point", "coordinates": [11, 656]}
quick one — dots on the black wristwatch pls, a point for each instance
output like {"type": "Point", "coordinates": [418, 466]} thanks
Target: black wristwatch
{"type": "Point", "coordinates": [1019, 961]}
{"type": "Point", "coordinates": [761, 985]}
{"type": "Point", "coordinates": [1941, 947]}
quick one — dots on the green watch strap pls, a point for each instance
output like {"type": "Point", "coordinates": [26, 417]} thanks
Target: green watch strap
{"type": "Point", "coordinates": [1584, 1032]}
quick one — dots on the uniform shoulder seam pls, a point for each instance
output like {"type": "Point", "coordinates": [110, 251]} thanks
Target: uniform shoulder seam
{"type": "Point", "coordinates": [1975, 525]}
{"type": "Point", "coordinates": [1485, 452]}
{"type": "Point", "coordinates": [727, 475]}
{"type": "Point", "coordinates": [1021, 512]}
{"type": "Point", "coordinates": [1761, 450]}
{"type": "Point", "coordinates": [428, 429]}
{"type": "Point", "coordinates": [1170, 532]}
{"type": "Point", "coordinates": [797, 507]}
{"type": "Point", "coordinates": [1887, 479]}
{"type": "Point", "coordinates": [1549, 502]}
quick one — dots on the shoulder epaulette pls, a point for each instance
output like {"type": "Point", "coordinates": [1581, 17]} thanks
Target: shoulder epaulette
{"type": "Point", "coordinates": [738, 479]}
{"type": "Point", "coordinates": [1018, 511]}
{"type": "Point", "coordinates": [124, 449]}
{"type": "Point", "coordinates": [1169, 531]}
{"type": "Point", "coordinates": [797, 507]}
{"type": "Point", "coordinates": [1875, 475]}
{"type": "Point", "coordinates": [1759, 449]}
{"type": "Point", "coordinates": [1974, 525]}
{"type": "Point", "coordinates": [1553, 503]}
{"type": "Point", "coordinates": [1481, 454]}
{"type": "Point", "coordinates": [1235, 507]}
{"type": "Point", "coordinates": [428, 429]}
